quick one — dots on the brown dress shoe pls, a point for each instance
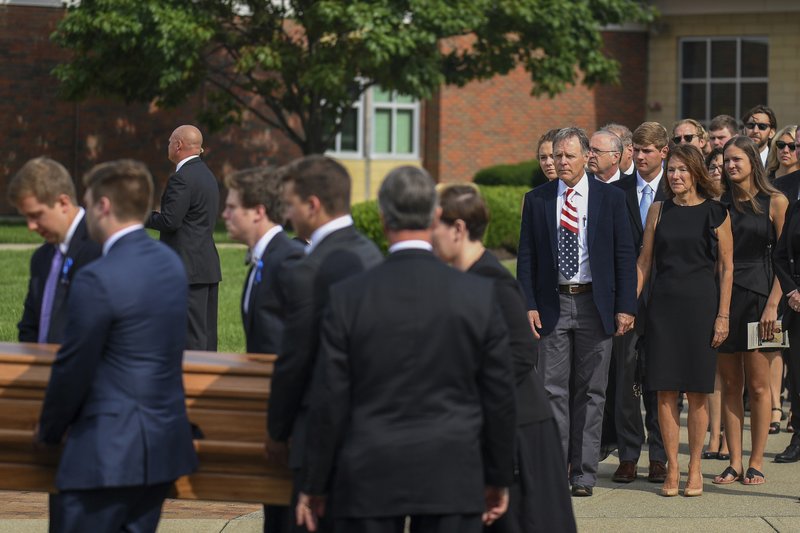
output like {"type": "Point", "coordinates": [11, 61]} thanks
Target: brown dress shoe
{"type": "Point", "coordinates": [657, 472]}
{"type": "Point", "coordinates": [626, 472]}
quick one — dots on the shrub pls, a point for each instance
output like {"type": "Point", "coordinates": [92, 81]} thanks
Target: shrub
{"type": "Point", "coordinates": [368, 221]}
{"type": "Point", "coordinates": [524, 174]}
{"type": "Point", "coordinates": [505, 206]}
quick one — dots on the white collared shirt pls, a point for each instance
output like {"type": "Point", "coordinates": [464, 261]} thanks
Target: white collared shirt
{"type": "Point", "coordinates": [764, 153]}
{"type": "Point", "coordinates": [654, 183]}
{"type": "Point", "coordinates": [63, 246]}
{"type": "Point", "coordinates": [255, 256]}
{"type": "Point", "coordinates": [118, 235]}
{"type": "Point", "coordinates": [326, 229]}
{"type": "Point", "coordinates": [613, 178]}
{"type": "Point", "coordinates": [630, 170]}
{"type": "Point", "coordinates": [183, 162]}
{"type": "Point", "coordinates": [413, 244]}
{"type": "Point", "coordinates": [581, 202]}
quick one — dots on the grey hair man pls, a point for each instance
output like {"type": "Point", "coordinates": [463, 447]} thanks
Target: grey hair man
{"type": "Point", "coordinates": [605, 150]}
{"type": "Point", "coordinates": [412, 307]}
{"type": "Point", "coordinates": [626, 165]}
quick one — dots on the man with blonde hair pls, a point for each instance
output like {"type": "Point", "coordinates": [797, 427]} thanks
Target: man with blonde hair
{"type": "Point", "coordinates": [690, 131]}
{"type": "Point", "coordinates": [43, 192]}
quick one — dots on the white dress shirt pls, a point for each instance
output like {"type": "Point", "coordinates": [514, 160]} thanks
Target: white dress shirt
{"type": "Point", "coordinates": [63, 246]}
{"type": "Point", "coordinates": [612, 179]}
{"type": "Point", "coordinates": [581, 202]}
{"type": "Point", "coordinates": [630, 170]}
{"type": "Point", "coordinates": [118, 235]}
{"type": "Point", "coordinates": [255, 256]}
{"type": "Point", "coordinates": [183, 162]}
{"type": "Point", "coordinates": [413, 244]}
{"type": "Point", "coordinates": [326, 229]}
{"type": "Point", "coordinates": [764, 153]}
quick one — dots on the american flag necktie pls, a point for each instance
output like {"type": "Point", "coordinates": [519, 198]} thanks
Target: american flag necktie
{"type": "Point", "coordinates": [568, 237]}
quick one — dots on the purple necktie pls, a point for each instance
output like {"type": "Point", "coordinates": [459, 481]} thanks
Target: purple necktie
{"type": "Point", "coordinates": [49, 294]}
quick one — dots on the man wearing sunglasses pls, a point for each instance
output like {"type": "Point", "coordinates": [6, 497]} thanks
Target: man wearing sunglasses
{"type": "Point", "coordinates": [760, 125]}
{"type": "Point", "coordinates": [689, 131]}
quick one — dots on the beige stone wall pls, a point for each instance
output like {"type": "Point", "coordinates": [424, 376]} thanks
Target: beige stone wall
{"type": "Point", "coordinates": [782, 30]}
{"type": "Point", "coordinates": [366, 187]}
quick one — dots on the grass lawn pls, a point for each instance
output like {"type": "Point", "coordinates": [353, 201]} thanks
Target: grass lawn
{"type": "Point", "coordinates": [14, 285]}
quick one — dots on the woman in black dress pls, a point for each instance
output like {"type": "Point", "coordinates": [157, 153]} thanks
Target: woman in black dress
{"type": "Point", "coordinates": [757, 211]}
{"type": "Point", "coordinates": [689, 238]}
{"type": "Point", "coordinates": [539, 498]}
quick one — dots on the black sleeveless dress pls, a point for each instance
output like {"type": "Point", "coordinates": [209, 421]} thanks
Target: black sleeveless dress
{"type": "Point", "coordinates": [753, 241]}
{"type": "Point", "coordinates": [684, 299]}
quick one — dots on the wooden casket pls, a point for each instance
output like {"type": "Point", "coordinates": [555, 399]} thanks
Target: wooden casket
{"type": "Point", "coordinates": [226, 397]}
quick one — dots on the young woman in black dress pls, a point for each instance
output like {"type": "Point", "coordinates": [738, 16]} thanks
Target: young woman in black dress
{"type": "Point", "coordinates": [757, 212]}
{"type": "Point", "coordinates": [689, 238]}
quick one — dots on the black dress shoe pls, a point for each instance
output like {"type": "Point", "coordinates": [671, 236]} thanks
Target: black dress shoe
{"type": "Point", "coordinates": [581, 491]}
{"type": "Point", "coordinates": [790, 455]}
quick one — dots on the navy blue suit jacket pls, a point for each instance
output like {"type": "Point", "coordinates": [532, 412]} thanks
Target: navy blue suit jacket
{"type": "Point", "coordinates": [116, 389]}
{"type": "Point", "coordinates": [82, 250]}
{"type": "Point", "coordinates": [612, 258]}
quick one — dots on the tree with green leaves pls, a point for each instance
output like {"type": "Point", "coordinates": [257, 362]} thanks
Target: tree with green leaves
{"type": "Point", "coordinates": [300, 65]}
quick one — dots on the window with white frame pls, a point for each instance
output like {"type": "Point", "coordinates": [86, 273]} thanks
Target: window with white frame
{"type": "Point", "coordinates": [722, 75]}
{"type": "Point", "coordinates": [394, 127]}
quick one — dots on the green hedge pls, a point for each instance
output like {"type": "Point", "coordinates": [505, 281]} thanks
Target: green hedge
{"type": "Point", "coordinates": [524, 174]}
{"type": "Point", "coordinates": [505, 206]}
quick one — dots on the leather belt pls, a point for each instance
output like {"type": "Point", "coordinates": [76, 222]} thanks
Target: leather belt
{"type": "Point", "coordinates": [575, 288]}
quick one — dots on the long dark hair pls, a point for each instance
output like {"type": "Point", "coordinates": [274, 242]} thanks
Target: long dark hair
{"type": "Point", "coordinates": [757, 172]}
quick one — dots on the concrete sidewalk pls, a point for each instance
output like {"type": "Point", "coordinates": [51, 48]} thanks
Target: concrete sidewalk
{"type": "Point", "coordinates": [617, 508]}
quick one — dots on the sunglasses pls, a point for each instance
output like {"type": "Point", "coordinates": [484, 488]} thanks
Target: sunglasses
{"type": "Point", "coordinates": [781, 145]}
{"type": "Point", "coordinates": [687, 138]}
{"type": "Point", "coordinates": [759, 125]}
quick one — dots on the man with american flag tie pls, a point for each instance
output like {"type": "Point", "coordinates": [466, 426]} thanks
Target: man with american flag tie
{"type": "Point", "coordinates": [577, 268]}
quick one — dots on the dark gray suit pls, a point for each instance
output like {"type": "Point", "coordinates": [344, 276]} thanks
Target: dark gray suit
{"type": "Point", "coordinates": [416, 412]}
{"type": "Point", "coordinates": [189, 208]}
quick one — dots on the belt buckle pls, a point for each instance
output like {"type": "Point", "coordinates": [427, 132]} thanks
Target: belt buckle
{"type": "Point", "coordinates": [573, 289]}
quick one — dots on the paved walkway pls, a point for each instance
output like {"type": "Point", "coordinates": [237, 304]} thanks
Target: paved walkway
{"type": "Point", "coordinates": [615, 508]}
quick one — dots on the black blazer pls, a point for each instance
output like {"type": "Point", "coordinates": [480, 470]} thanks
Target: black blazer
{"type": "Point", "coordinates": [532, 402]}
{"type": "Point", "coordinates": [628, 186]}
{"type": "Point", "coordinates": [82, 250]}
{"type": "Point", "coordinates": [341, 254]}
{"type": "Point", "coordinates": [189, 208]}
{"type": "Point", "coordinates": [789, 185]}
{"type": "Point", "coordinates": [611, 253]}
{"type": "Point", "coordinates": [786, 257]}
{"type": "Point", "coordinates": [416, 411]}
{"type": "Point", "coordinates": [263, 322]}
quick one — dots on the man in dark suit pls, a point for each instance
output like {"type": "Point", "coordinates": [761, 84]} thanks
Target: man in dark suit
{"type": "Point", "coordinates": [189, 208]}
{"type": "Point", "coordinates": [115, 399]}
{"type": "Point", "coordinates": [43, 192]}
{"type": "Point", "coordinates": [605, 149]}
{"type": "Point", "coordinates": [415, 412]}
{"type": "Point", "coordinates": [650, 147]}
{"type": "Point", "coordinates": [317, 196]}
{"type": "Point", "coordinates": [253, 212]}
{"type": "Point", "coordinates": [576, 264]}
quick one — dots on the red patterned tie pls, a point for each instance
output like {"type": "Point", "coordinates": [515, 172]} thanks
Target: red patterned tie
{"type": "Point", "coordinates": [568, 237]}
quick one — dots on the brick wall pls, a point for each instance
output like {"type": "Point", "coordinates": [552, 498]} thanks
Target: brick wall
{"type": "Point", "coordinates": [34, 121]}
{"type": "Point", "coordinates": [498, 121]}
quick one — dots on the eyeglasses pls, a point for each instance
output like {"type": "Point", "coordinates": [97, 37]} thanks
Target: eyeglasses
{"type": "Point", "coordinates": [687, 138]}
{"type": "Point", "coordinates": [599, 151]}
{"type": "Point", "coordinates": [781, 145]}
{"type": "Point", "coordinates": [759, 125]}
{"type": "Point", "coordinates": [715, 168]}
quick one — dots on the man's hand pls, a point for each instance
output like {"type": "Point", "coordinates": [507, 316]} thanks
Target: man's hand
{"type": "Point", "coordinates": [496, 503]}
{"type": "Point", "coordinates": [277, 453]}
{"type": "Point", "coordinates": [308, 510]}
{"type": "Point", "coordinates": [793, 300]}
{"type": "Point", "coordinates": [624, 323]}
{"type": "Point", "coordinates": [536, 323]}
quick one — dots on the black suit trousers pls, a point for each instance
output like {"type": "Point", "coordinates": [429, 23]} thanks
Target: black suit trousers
{"type": "Point", "coordinates": [202, 323]}
{"type": "Point", "coordinates": [419, 524]}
